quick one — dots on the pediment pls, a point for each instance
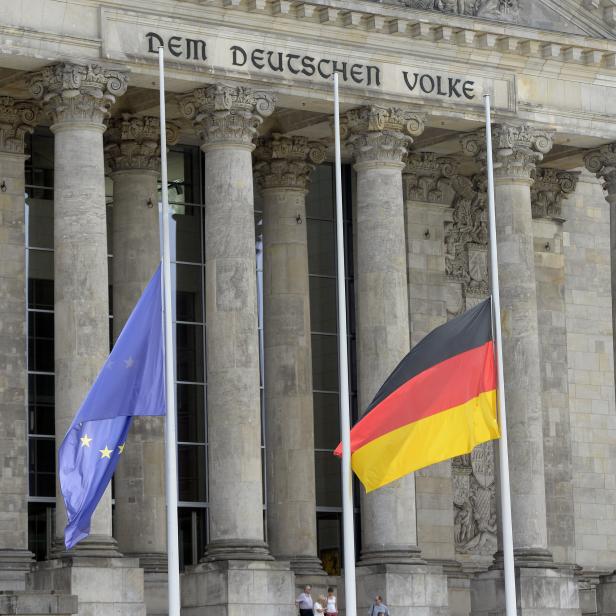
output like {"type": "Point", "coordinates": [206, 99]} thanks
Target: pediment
{"type": "Point", "coordinates": [582, 17]}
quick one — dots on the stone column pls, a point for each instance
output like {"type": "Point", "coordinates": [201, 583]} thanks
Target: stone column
{"type": "Point", "coordinates": [16, 120]}
{"type": "Point", "coordinates": [133, 157]}
{"type": "Point", "coordinates": [550, 188]}
{"type": "Point", "coordinates": [517, 149]}
{"type": "Point", "coordinates": [77, 99]}
{"type": "Point", "coordinates": [227, 118]}
{"type": "Point", "coordinates": [283, 171]}
{"type": "Point", "coordinates": [379, 138]}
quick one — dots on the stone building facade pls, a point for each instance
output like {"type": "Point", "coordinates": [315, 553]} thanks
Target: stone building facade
{"type": "Point", "coordinates": [249, 97]}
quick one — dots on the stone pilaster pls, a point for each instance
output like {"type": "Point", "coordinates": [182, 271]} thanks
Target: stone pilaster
{"type": "Point", "coordinates": [133, 157]}
{"type": "Point", "coordinates": [379, 139]}
{"type": "Point", "coordinates": [77, 99]}
{"type": "Point", "coordinates": [602, 162]}
{"type": "Point", "coordinates": [237, 568]}
{"type": "Point", "coordinates": [16, 120]}
{"type": "Point", "coordinates": [552, 187]}
{"type": "Point", "coordinates": [283, 171]}
{"type": "Point", "coordinates": [517, 149]}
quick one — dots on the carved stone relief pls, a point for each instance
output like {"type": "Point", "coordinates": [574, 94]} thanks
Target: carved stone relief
{"type": "Point", "coordinates": [498, 9]}
{"type": "Point", "coordinates": [466, 261]}
{"type": "Point", "coordinates": [426, 178]}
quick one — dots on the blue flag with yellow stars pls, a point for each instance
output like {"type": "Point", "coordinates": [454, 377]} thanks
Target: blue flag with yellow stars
{"type": "Point", "coordinates": [131, 382]}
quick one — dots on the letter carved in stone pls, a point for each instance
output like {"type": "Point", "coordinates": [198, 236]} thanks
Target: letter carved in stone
{"type": "Point", "coordinates": [77, 93]}
{"type": "Point", "coordinates": [227, 114]}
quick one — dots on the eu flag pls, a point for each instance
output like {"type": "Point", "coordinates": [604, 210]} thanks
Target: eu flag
{"type": "Point", "coordinates": [131, 382]}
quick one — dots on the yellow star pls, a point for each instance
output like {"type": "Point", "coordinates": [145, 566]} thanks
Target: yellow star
{"type": "Point", "coordinates": [85, 440]}
{"type": "Point", "coordinates": [106, 453]}
{"type": "Point", "coordinates": [121, 447]}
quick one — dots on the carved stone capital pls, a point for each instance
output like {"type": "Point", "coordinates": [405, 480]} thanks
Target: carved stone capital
{"type": "Point", "coordinates": [602, 162]}
{"type": "Point", "coordinates": [426, 178]}
{"type": "Point", "coordinates": [76, 92]}
{"type": "Point", "coordinates": [380, 134]}
{"type": "Point", "coordinates": [17, 119]}
{"type": "Point", "coordinates": [517, 149]}
{"type": "Point", "coordinates": [227, 114]}
{"type": "Point", "coordinates": [287, 162]}
{"type": "Point", "coordinates": [549, 189]}
{"type": "Point", "coordinates": [134, 143]}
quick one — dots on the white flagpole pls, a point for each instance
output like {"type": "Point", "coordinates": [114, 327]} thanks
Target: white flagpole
{"type": "Point", "coordinates": [348, 525]}
{"type": "Point", "coordinates": [171, 488]}
{"type": "Point", "coordinates": [510, 599]}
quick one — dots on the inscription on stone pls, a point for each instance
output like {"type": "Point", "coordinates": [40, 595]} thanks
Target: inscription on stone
{"type": "Point", "coordinates": [178, 46]}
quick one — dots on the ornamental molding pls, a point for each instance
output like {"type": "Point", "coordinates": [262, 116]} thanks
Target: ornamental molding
{"type": "Point", "coordinates": [227, 114]}
{"type": "Point", "coordinates": [517, 149]}
{"type": "Point", "coordinates": [380, 134]}
{"type": "Point", "coordinates": [287, 161]}
{"type": "Point", "coordinates": [133, 143]}
{"type": "Point", "coordinates": [466, 237]}
{"type": "Point", "coordinates": [77, 93]}
{"type": "Point", "coordinates": [549, 188]}
{"type": "Point", "coordinates": [17, 119]}
{"type": "Point", "coordinates": [426, 176]}
{"type": "Point", "coordinates": [602, 162]}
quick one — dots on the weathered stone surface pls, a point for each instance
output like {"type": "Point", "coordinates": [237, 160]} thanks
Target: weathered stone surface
{"type": "Point", "coordinates": [37, 603]}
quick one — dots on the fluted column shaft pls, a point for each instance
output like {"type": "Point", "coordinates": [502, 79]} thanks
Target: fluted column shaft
{"type": "Point", "coordinates": [77, 98]}
{"type": "Point", "coordinates": [379, 139]}
{"type": "Point", "coordinates": [133, 156]}
{"type": "Point", "coordinates": [227, 118]}
{"type": "Point", "coordinates": [16, 120]}
{"type": "Point", "coordinates": [286, 163]}
{"type": "Point", "coordinates": [516, 151]}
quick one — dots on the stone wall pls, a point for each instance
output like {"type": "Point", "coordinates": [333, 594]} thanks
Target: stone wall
{"type": "Point", "coordinates": [586, 246]}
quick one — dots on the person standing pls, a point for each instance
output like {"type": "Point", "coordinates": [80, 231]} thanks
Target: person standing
{"type": "Point", "coordinates": [378, 607]}
{"type": "Point", "coordinates": [305, 603]}
{"type": "Point", "coordinates": [331, 609]}
{"type": "Point", "coordinates": [319, 606]}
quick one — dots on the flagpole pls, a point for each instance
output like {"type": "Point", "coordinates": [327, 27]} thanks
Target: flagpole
{"type": "Point", "coordinates": [348, 526]}
{"type": "Point", "coordinates": [173, 559]}
{"type": "Point", "coordinates": [507, 528]}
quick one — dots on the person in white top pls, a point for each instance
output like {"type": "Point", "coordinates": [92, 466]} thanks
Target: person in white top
{"type": "Point", "coordinates": [319, 606]}
{"type": "Point", "coordinates": [331, 608]}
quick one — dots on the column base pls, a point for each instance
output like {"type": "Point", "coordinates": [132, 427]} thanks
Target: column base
{"type": "Point", "coordinates": [102, 585]}
{"type": "Point", "coordinates": [407, 590]}
{"type": "Point", "coordinates": [304, 565]}
{"type": "Point", "coordinates": [236, 550]}
{"type": "Point", "coordinates": [36, 603]}
{"type": "Point", "coordinates": [14, 565]}
{"type": "Point", "coordinates": [383, 555]}
{"type": "Point", "coordinates": [93, 546]}
{"type": "Point", "coordinates": [606, 595]}
{"type": "Point", "coordinates": [238, 588]}
{"type": "Point", "coordinates": [540, 591]}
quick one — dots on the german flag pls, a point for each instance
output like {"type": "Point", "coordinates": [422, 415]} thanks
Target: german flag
{"type": "Point", "coordinates": [438, 403]}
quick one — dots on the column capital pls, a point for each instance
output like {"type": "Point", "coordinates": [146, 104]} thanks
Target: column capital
{"type": "Point", "coordinates": [602, 162]}
{"type": "Point", "coordinates": [425, 177]}
{"type": "Point", "coordinates": [549, 188]}
{"type": "Point", "coordinates": [287, 161]}
{"type": "Point", "coordinates": [517, 149]}
{"type": "Point", "coordinates": [77, 93]}
{"type": "Point", "coordinates": [380, 134]}
{"type": "Point", "coordinates": [133, 143]}
{"type": "Point", "coordinates": [17, 119]}
{"type": "Point", "coordinates": [227, 115]}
